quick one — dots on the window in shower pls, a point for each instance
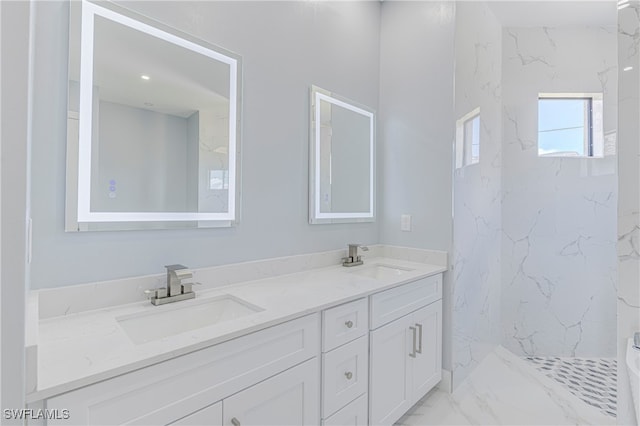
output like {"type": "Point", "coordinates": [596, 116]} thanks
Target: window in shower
{"type": "Point", "coordinates": [468, 139]}
{"type": "Point", "coordinates": [570, 125]}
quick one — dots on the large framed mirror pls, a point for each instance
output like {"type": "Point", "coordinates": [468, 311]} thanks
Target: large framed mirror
{"type": "Point", "coordinates": [342, 160]}
{"type": "Point", "coordinates": [153, 125]}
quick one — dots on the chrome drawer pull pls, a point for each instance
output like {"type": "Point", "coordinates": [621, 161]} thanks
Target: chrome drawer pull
{"type": "Point", "coordinates": [349, 324]}
{"type": "Point", "coordinates": [348, 375]}
{"type": "Point", "coordinates": [235, 422]}
{"type": "Point", "coordinates": [413, 329]}
{"type": "Point", "coordinates": [419, 350]}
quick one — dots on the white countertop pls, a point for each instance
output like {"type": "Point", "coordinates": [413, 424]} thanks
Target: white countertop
{"type": "Point", "coordinates": [80, 349]}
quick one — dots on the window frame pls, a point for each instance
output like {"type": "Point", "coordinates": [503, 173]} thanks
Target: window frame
{"type": "Point", "coordinates": [593, 139]}
{"type": "Point", "coordinates": [464, 145]}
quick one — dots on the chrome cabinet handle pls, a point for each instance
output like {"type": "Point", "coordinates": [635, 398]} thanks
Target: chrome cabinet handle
{"type": "Point", "coordinates": [235, 422]}
{"type": "Point", "coordinates": [349, 324]}
{"type": "Point", "coordinates": [413, 329]}
{"type": "Point", "coordinates": [419, 350]}
{"type": "Point", "coordinates": [348, 375]}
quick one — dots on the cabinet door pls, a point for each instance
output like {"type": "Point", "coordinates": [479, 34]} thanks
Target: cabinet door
{"type": "Point", "coordinates": [289, 398]}
{"type": "Point", "coordinates": [208, 416]}
{"type": "Point", "coordinates": [389, 387]}
{"type": "Point", "coordinates": [427, 365]}
{"type": "Point", "coordinates": [354, 414]}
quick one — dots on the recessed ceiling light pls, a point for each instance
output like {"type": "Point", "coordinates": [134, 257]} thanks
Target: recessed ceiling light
{"type": "Point", "coordinates": [627, 68]}
{"type": "Point", "coordinates": [144, 77]}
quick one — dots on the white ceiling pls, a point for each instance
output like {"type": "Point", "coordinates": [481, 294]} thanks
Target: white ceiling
{"type": "Point", "coordinates": [551, 13]}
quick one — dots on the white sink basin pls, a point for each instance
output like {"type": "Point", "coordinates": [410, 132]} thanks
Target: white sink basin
{"type": "Point", "coordinates": [184, 316]}
{"type": "Point", "coordinates": [380, 271]}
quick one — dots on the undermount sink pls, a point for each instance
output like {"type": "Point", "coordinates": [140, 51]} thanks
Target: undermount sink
{"type": "Point", "coordinates": [380, 271]}
{"type": "Point", "coordinates": [171, 320]}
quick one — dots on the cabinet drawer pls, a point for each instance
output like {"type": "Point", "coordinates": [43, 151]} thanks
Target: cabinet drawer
{"type": "Point", "coordinates": [168, 391]}
{"type": "Point", "coordinates": [354, 414]}
{"type": "Point", "coordinates": [391, 304]}
{"type": "Point", "coordinates": [345, 374]}
{"type": "Point", "coordinates": [344, 323]}
{"type": "Point", "coordinates": [209, 416]}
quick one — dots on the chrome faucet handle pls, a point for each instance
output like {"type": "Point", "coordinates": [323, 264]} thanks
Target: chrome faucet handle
{"type": "Point", "coordinates": [157, 293]}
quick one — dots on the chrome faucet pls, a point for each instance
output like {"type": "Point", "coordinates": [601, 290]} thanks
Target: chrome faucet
{"type": "Point", "coordinates": [176, 289]}
{"type": "Point", "coordinates": [353, 258]}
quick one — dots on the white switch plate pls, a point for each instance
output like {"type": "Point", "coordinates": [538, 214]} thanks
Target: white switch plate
{"type": "Point", "coordinates": [405, 222]}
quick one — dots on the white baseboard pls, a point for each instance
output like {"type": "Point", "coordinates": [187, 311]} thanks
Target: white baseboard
{"type": "Point", "coordinates": [447, 381]}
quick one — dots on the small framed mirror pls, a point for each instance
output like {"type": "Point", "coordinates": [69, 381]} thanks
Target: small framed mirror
{"type": "Point", "coordinates": [153, 125]}
{"type": "Point", "coordinates": [342, 160]}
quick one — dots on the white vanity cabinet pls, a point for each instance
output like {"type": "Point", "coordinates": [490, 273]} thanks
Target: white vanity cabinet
{"type": "Point", "coordinates": [406, 350]}
{"type": "Point", "coordinates": [281, 361]}
{"type": "Point", "coordinates": [364, 362]}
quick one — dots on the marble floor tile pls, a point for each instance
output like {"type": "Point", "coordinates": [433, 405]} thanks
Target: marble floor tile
{"type": "Point", "coordinates": [505, 390]}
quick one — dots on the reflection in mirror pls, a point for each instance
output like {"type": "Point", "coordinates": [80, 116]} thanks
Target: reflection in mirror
{"type": "Point", "coordinates": [342, 158]}
{"type": "Point", "coordinates": [152, 126]}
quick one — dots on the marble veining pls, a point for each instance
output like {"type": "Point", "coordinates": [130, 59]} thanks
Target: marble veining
{"type": "Point", "coordinates": [477, 192]}
{"type": "Point", "coordinates": [559, 214]}
{"type": "Point", "coordinates": [504, 390]}
{"type": "Point", "coordinates": [628, 290]}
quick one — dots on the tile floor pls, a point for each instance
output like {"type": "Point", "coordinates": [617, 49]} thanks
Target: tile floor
{"type": "Point", "coordinates": [593, 380]}
{"type": "Point", "coordinates": [505, 390]}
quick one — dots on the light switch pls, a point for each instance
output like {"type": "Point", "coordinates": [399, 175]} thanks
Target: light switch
{"type": "Point", "coordinates": [405, 222]}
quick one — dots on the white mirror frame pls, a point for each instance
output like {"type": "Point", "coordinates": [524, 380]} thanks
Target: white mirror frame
{"type": "Point", "coordinates": [315, 215]}
{"type": "Point", "coordinates": [82, 198]}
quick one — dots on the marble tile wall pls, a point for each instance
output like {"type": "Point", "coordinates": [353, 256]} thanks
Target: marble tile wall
{"type": "Point", "coordinates": [476, 282]}
{"type": "Point", "coordinates": [559, 267]}
{"type": "Point", "coordinates": [629, 196]}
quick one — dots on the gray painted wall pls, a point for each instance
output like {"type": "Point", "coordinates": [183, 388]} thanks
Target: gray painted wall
{"type": "Point", "coordinates": [14, 36]}
{"type": "Point", "coordinates": [416, 131]}
{"type": "Point", "coordinates": [286, 47]}
{"type": "Point", "coordinates": [416, 122]}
